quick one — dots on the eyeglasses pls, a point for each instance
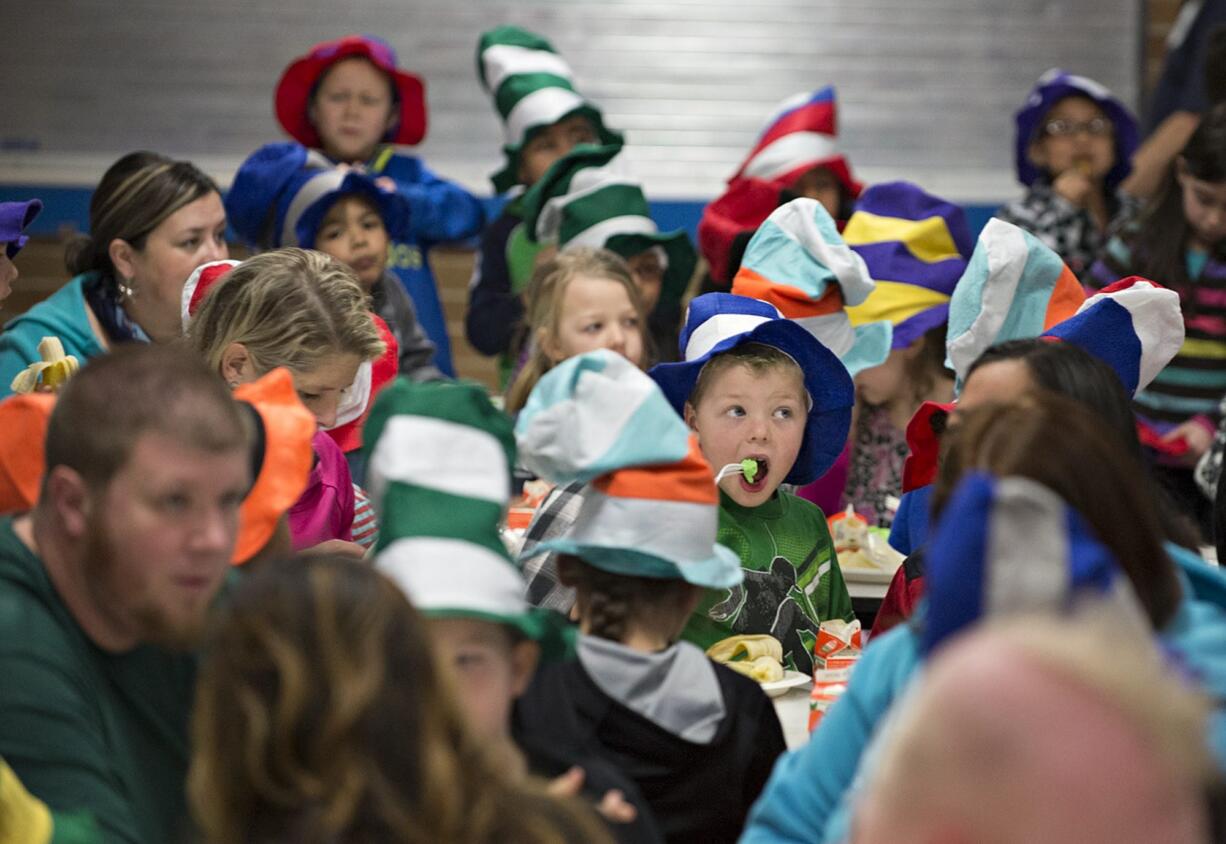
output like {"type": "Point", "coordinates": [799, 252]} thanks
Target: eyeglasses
{"type": "Point", "coordinates": [1097, 127]}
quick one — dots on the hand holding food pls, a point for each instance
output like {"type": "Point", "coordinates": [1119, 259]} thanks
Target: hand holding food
{"type": "Point", "coordinates": [50, 372]}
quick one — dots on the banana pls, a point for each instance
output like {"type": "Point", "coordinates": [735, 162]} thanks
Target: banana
{"type": "Point", "coordinates": [50, 372]}
{"type": "Point", "coordinates": [757, 656]}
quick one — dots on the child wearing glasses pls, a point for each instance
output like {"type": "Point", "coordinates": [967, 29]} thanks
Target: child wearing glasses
{"type": "Point", "coordinates": [1074, 146]}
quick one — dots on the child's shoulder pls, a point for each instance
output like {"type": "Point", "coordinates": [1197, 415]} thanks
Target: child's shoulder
{"type": "Point", "coordinates": [795, 507]}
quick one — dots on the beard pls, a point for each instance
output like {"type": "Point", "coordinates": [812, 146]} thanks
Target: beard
{"type": "Point", "coordinates": [133, 607]}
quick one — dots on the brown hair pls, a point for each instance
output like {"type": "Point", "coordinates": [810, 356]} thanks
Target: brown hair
{"type": "Point", "coordinates": [135, 195]}
{"type": "Point", "coordinates": [612, 602]}
{"type": "Point", "coordinates": [544, 296]}
{"type": "Point", "coordinates": [321, 716]}
{"type": "Point", "coordinates": [1066, 447]}
{"type": "Point", "coordinates": [757, 357]}
{"type": "Point", "coordinates": [292, 307]}
{"type": "Point", "coordinates": [925, 368]}
{"type": "Point", "coordinates": [138, 389]}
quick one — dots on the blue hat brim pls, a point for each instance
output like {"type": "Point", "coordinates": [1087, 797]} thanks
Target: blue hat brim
{"type": "Point", "coordinates": [722, 570]}
{"type": "Point", "coordinates": [826, 379]}
{"type": "Point", "coordinates": [393, 208]}
{"type": "Point", "coordinates": [1127, 137]}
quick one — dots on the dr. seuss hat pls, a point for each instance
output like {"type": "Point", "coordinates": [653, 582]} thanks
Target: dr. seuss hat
{"type": "Point", "coordinates": [652, 506]}
{"type": "Point", "coordinates": [284, 457]}
{"type": "Point", "coordinates": [23, 418]}
{"type": "Point", "coordinates": [798, 262]}
{"type": "Point", "coordinates": [589, 198]}
{"type": "Point", "coordinates": [1008, 546]}
{"type": "Point", "coordinates": [799, 136]}
{"type": "Point", "coordinates": [297, 84]}
{"type": "Point", "coordinates": [719, 322]}
{"type": "Point", "coordinates": [915, 246]}
{"type": "Point", "coordinates": [439, 460]}
{"type": "Point", "coordinates": [198, 285]}
{"type": "Point", "coordinates": [372, 378]}
{"type": "Point", "coordinates": [14, 218]}
{"type": "Point", "coordinates": [533, 87]}
{"type": "Point", "coordinates": [1053, 86]}
{"type": "Point", "coordinates": [1134, 326]}
{"type": "Point", "coordinates": [282, 192]}
{"type": "Point", "coordinates": [1014, 287]}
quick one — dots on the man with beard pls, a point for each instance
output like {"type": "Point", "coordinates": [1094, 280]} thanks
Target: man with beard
{"type": "Point", "coordinates": [105, 586]}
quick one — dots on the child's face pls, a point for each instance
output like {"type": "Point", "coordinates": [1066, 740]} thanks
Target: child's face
{"type": "Point", "coordinates": [322, 388]}
{"type": "Point", "coordinates": [759, 415]}
{"type": "Point", "coordinates": [352, 232]}
{"type": "Point", "coordinates": [551, 143]}
{"type": "Point", "coordinates": [488, 668]}
{"type": "Point", "coordinates": [648, 275]}
{"type": "Point", "coordinates": [1204, 207]}
{"type": "Point", "coordinates": [352, 110]}
{"type": "Point", "coordinates": [8, 272]}
{"type": "Point", "coordinates": [596, 313]}
{"type": "Point", "coordinates": [1075, 134]}
{"type": "Point", "coordinates": [891, 381]}
{"type": "Point", "coordinates": [821, 184]}
{"type": "Point", "coordinates": [999, 382]}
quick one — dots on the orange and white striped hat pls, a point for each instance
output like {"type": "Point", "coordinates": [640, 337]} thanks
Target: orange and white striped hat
{"type": "Point", "coordinates": [655, 515]}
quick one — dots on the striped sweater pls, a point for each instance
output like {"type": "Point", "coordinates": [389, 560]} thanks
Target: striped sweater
{"type": "Point", "coordinates": [1194, 383]}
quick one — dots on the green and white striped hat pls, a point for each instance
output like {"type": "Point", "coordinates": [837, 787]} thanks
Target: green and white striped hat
{"type": "Point", "coordinates": [590, 198]}
{"type": "Point", "coordinates": [439, 458]}
{"type": "Point", "coordinates": [533, 87]}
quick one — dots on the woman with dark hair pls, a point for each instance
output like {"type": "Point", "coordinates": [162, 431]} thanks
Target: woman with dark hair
{"type": "Point", "coordinates": [151, 222]}
{"type": "Point", "coordinates": [1058, 444]}
{"type": "Point", "coordinates": [321, 716]}
{"type": "Point", "coordinates": [1180, 242]}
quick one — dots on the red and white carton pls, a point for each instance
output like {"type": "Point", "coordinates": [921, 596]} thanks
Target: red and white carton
{"type": "Point", "coordinates": [834, 655]}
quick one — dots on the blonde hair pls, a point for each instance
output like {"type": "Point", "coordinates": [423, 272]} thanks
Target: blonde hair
{"type": "Point", "coordinates": [291, 307]}
{"type": "Point", "coordinates": [322, 715]}
{"type": "Point", "coordinates": [544, 297]}
{"type": "Point", "coordinates": [758, 358]}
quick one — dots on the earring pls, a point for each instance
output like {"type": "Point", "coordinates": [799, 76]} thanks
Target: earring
{"type": "Point", "coordinates": [126, 289]}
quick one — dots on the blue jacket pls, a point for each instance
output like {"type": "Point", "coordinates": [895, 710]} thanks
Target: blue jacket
{"type": "Point", "coordinates": [64, 314]}
{"type": "Point", "coordinates": [439, 212]}
{"type": "Point", "coordinates": [808, 795]}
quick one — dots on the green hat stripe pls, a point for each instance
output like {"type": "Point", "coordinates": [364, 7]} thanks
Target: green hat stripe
{"type": "Point", "coordinates": [516, 88]}
{"type": "Point", "coordinates": [589, 209]}
{"type": "Point", "coordinates": [408, 510]}
{"type": "Point", "coordinates": [513, 36]}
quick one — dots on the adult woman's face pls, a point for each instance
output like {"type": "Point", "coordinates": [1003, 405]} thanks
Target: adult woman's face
{"type": "Point", "coordinates": [191, 236]}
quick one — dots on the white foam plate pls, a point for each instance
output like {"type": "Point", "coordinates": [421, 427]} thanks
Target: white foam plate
{"type": "Point", "coordinates": [791, 680]}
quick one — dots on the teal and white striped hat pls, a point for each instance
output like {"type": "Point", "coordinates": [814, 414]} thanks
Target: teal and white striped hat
{"type": "Point", "coordinates": [589, 198]}
{"type": "Point", "coordinates": [439, 471]}
{"type": "Point", "coordinates": [533, 87]}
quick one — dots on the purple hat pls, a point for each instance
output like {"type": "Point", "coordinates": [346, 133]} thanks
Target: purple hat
{"type": "Point", "coordinates": [1055, 85]}
{"type": "Point", "coordinates": [14, 217]}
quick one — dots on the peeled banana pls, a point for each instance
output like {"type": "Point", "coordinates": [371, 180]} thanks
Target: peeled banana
{"type": "Point", "coordinates": [757, 656]}
{"type": "Point", "coordinates": [50, 372]}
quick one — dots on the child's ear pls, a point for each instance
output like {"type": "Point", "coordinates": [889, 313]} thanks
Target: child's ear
{"type": "Point", "coordinates": [690, 415]}
{"type": "Point", "coordinates": [525, 656]}
{"type": "Point", "coordinates": [236, 365]}
{"type": "Point", "coordinates": [548, 345]}
{"type": "Point", "coordinates": [1181, 169]}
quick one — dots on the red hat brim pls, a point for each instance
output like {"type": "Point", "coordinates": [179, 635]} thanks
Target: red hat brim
{"type": "Point", "coordinates": [293, 94]}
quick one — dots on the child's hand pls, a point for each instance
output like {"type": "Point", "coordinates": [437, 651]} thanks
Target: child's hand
{"type": "Point", "coordinates": [1198, 438]}
{"type": "Point", "coordinates": [612, 807]}
{"type": "Point", "coordinates": [1075, 186]}
{"type": "Point", "coordinates": [387, 183]}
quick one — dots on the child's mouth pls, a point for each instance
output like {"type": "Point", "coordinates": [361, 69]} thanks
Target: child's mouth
{"type": "Point", "coordinates": [759, 478]}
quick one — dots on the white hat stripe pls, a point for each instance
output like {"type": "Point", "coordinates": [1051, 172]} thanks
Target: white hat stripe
{"type": "Point", "coordinates": [405, 453]}
{"type": "Point", "coordinates": [799, 224]}
{"type": "Point", "coordinates": [781, 155]}
{"type": "Point", "coordinates": [721, 327]}
{"type": "Point", "coordinates": [679, 531]}
{"type": "Point", "coordinates": [319, 186]}
{"type": "Point", "coordinates": [439, 574]}
{"type": "Point", "coordinates": [597, 235]}
{"type": "Point", "coordinates": [540, 108]}
{"type": "Point", "coordinates": [1027, 563]}
{"type": "Point", "coordinates": [833, 331]}
{"type": "Point", "coordinates": [503, 60]}
{"type": "Point", "coordinates": [585, 182]}
{"type": "Point", "coordinates": [1007, 254]}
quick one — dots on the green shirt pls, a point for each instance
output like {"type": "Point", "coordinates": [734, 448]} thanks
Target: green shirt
{"type": "Point", "coordinates": [792, 578]}
{"type": "Point", "coordinates": [88, 731]}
